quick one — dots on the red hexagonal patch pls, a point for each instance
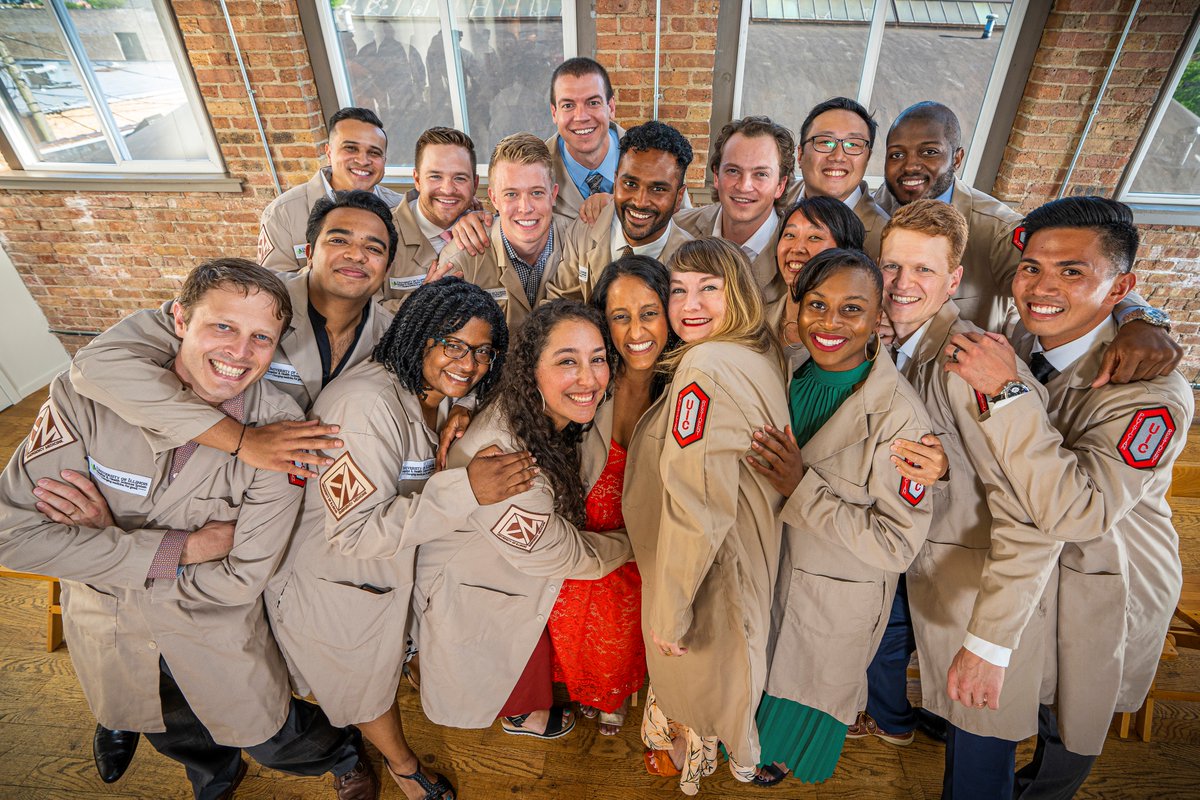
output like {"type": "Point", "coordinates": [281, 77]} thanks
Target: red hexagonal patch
{"type": "Point", "coordinates": [1018, 238]}
{"type": "Point", "coordinates": [1147, 437]}
{"type": "Point", "coordinates": [911, 491]}
{"type": "Point", "coordinates": [691, 412]}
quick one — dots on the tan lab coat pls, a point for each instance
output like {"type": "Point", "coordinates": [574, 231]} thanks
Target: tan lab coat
{"type": "Point", "coordinates": [123, 368]}
{"type": "Point", "coordinates": [208, 623]}
{"type": "Point", "coordinates": [985, 565]}
{"type": "Point", "coordinates": [569, 197]}
{"type": "Point", "coordinates": [493, 271]}
{"type": "Point", "coordinates": [587, 250]}
{"type": "Point", "coordinates": [281, 235]}
{"type": "Point", "coordinates": [487, 581]}
{"type": "Point", "coordinates": [849, 533]}
{"type": "Point", "coordinates": [702, 221]}
{"type": "Point", "coordinates": [341, 614]}
{"type": "Point", "coordinates": [706, 538]}
{"type": "Point", "coordinates": [414, 255]}
{"type": "Point", "coordinates": [1119, 572]}
{"type": "Point", "coordinates": [985, 295]}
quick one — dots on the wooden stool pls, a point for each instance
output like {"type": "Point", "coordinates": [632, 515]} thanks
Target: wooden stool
{"type": "Point", "coordinates": [54, 632]}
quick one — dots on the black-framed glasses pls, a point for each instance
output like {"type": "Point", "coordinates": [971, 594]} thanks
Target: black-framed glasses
{"type": "Point", "coordinates": [852, 146]}
{"type": "Point", "coordinates": [484, 354]}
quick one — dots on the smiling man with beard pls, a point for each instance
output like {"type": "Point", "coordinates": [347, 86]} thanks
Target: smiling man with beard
{"type": "Point", "coordinates": [649, 189]}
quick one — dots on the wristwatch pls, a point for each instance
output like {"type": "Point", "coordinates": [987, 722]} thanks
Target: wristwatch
{"type": "Point", "coordinates": [1009, 390]}
{"type": "Point", "coordinates": [1151, 316]}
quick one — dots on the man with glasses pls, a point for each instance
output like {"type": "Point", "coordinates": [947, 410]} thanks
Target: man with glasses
{"type": "Point", "coordinates": [835, 145]}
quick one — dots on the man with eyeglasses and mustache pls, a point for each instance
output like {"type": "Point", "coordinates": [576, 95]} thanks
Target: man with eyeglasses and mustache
{"type": "Point", "coordinates": [654, 158]}
{"type": "Point", "coordinates": [836, 139]}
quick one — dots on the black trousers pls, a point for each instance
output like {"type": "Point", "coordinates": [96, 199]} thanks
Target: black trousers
{"type": "Point", "coordinates": [1055, 772]}
{"type": "Point", "coordinates": [307, 744]}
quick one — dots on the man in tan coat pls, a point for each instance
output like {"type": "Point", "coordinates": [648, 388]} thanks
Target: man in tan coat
{"type": "Point", "coordinates": [649, 189]}
{"type": "Point", "coordinates": [164, 555]}
{"type": "Point", "coordinates": [752, 161]}
{"type": "Point", "coordinates": [976, 586]}
{"type": "Point", "coordinates": [836, 139]}
{"type": "Point", "coordinates": [357, 153]}
{"type": "Point", "coordinates": [445, 181]}
{"type": "Point", "coordinates": [1093, 467]}
{"type": "Point", "coordinates": [583, 151]}
{"type": "Point", "coordinates": [526, 247]}
{"type": "Point", "coordinates": [923, 153]}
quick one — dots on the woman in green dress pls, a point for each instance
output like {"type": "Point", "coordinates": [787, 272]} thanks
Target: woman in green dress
{"type": "Point", "coordinates": [852, 524]}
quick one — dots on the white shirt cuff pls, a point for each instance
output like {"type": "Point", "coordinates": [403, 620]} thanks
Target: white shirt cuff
{"type": "Point", "coordinates": [991, 653]}
{"type": "Point", "coordinates": [999, 404]}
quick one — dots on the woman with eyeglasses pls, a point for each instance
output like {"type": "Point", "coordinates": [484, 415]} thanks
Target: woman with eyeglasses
{"type": "Point", "coordinates": [341, 616]}
{"type": "Point", "coordinates": [488, 579]}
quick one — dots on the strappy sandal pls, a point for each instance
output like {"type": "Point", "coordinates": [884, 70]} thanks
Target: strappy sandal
{"type": "Point", "coordinates": [613, 720]}
{"type": "Point", "coordinates": [554, 726]}
{"type": "Point", "coordinates": [411, 671]}
{"type": "Point", "coordinates": [434, 790]}
{"type": "Point", "coordinates": [658, 762]}
{"type": "Point", "coordinates": [589, 712]}
{"type": "Point", "coordinates": [769, 775]}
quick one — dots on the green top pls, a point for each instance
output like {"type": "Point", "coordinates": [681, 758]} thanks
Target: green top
{"type": "Point", "coordinates": [814, 394]}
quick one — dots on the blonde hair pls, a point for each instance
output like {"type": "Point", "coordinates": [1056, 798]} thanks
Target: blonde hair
{"type": "Point", "coordinates": [933, 218]}
{"type": "Point", "coordinates": [745, 321]}
{"type": "Point", "coordinates": [521, 148]}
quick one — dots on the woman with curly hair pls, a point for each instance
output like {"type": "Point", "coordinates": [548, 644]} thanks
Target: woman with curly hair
{"type": "Point", "coordinates": [340, 616]}
{"type": "Point", "coordinates": [596, 626]}
{"type": "Point", "coordinates": [703, 523]}
{"type": "Point", "coordinates": [487, 582]}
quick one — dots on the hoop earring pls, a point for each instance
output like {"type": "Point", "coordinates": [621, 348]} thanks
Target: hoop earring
{"type": "Point", "coordinates": [539, 391]}
{"type": "Point", "coordinates": [867, 348]}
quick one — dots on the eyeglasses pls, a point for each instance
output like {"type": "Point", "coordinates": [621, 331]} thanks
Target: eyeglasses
{"type": "Point", "coordinates": [484, 354]}
{"type": "Point", "coordinates": [827, 144]}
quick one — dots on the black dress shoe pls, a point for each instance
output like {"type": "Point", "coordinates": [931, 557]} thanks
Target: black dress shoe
{"type": "Point", "coordinates": [931, 725]}
{"type": "Point", "coordinates": [113, 750]}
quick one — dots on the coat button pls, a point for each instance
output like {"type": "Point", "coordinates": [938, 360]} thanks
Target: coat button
{"type": "Point", "coordinates": [552, 589]}
{"type": "Point", "coordinates": [541, 618]}
{"type": "Point", "coordinates": [153, 646]}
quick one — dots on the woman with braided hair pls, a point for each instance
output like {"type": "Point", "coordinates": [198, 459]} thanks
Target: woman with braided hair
{"type": "Point", "coordinates": [486, 587]}
{"type": "Point", "coordinates": [341, 616]}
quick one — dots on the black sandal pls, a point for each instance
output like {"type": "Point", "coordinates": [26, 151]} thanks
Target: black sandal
{"type": "Point", "coordinates": [769, 775]}
{"type": "Point", "coordinates": [437, 790]}
{"type": "Point", "coordinates": [554, 725]}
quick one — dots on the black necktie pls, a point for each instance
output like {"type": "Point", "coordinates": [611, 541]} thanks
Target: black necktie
{"type": "Point", "coordinates": [1041, 368]}
{"type": "Point", "coordinates": [595, 182]}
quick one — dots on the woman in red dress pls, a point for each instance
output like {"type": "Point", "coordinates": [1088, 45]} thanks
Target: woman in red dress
{"type": "Point", "coordinates": [596, 626]}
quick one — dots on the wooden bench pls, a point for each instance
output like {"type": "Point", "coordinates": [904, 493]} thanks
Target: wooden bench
{"type": "Point", "coordinates": [54, 630]}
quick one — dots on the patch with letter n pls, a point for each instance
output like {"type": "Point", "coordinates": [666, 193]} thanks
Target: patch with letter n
{"type": "Point", "coordinates": [344, 485]}
{"type": "Point", "coordinates": [520, 528]}
{"type": "Point", "coordinates": [49, 433]}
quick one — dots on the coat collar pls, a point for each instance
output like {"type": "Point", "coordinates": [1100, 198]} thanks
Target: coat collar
{"type": "Point", "coordinates": [845, 428]}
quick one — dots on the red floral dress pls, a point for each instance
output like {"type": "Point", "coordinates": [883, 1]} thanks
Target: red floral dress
{"type": "Point", "coordinates": [596, 626]}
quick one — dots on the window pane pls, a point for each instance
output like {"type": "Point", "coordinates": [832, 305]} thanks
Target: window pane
{"type": "Point", "coordinates": [394, 59]}
{"type": "Point", "coordinates": [43, 91]}
{"type": "Point", "coordinates": [124, 42]}
{"type": "Point", "coordinates": [936, 53]}
{"type": "Point", "coordinates": [799, 53]}
{"type": "Point", "coordinates": [1172, 163]}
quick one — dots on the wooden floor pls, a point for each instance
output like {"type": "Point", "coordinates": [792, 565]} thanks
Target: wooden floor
{"type": "Point", "coordinates": [46, 729]}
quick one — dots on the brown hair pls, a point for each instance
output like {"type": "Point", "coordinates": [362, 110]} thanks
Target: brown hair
{"type": "Point", "coordinates": [752, 127]}
{"type": "Point", "coordinates": [441, 135]}
{"type": "Point", "coordinates": [933, 218]}
{"type": "Point", "coordinates": [521, 148]}
{"type": "Point", "coordinates": [234, 273]}
{"type": "Point", "coordinates": [745, 320]}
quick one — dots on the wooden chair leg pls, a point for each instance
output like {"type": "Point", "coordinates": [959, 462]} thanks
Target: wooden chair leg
{"type": "Point", "coordinates": [1124, 720]}
{"type": "Point", "coordinates": [1145, 717]}
{"type": "Point", "coordinates": [54, 629]}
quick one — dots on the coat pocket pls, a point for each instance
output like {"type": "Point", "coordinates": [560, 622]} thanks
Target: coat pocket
{"type": "Point", "coordinates": [478, 613]}
{"type": "Point", "coordinates": [342, 615]}
{"type": "Point", "coordinates": [90, 612]}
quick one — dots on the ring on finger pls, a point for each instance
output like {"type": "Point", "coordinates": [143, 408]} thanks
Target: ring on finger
{"type": "Point", "coordinates": [954, 355]}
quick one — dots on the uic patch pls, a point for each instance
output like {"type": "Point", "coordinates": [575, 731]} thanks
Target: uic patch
{"type": "Point", "coordinates": [1146, 437]}
{"type": "Point", "coordinates": [691, 413]}
{"type": "Point", "coordinates": [911, 491]}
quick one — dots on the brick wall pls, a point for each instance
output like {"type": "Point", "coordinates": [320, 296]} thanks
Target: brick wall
{"type": "Point", "coordinates": [1077, 46]}
{"type": "Point", "coordinates": [89, 258]}
{"type": "Point", "coordinates": [687, 42]}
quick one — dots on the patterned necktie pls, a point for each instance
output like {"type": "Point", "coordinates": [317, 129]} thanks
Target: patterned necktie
{"type": "Point", "coordinates": [446, 236]}
{"type": "Point", "coordinates": [595, 182]}
{"type": "Point", "coordinates": [1041, 368]}
{"type": "Point", "coordinates": [233, 407]}
{"type": "Point", "coordinates": [626, 251]}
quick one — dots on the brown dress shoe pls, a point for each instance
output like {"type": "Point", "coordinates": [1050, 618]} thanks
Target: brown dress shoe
{"type": "Point", "coordinates": [360, 783]}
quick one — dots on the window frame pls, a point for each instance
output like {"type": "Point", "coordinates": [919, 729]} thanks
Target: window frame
{"type": "Point", "coordinates": [998, 108]}
{"type": "Point", "coordinates": [1161, 208]}
{"type": "Point", "coordinates": [316, 20]}
{"type": "Point", "coordinates": [26, 166]}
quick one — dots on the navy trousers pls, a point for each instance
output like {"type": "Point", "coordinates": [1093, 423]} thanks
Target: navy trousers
{"type": "Point", "coordinates": [977, 767]}
{"type": "Point", "coordinates": [1055, 773]}
{"type": "Point", "coordinates": [887, 676]}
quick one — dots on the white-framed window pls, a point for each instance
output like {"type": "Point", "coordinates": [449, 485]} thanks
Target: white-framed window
{"type": "Point", "coordinates": [101, 87]}
{"type": "Point", "coordinates": [886, 54]}
{"type": "Point", "coordinates": [1165, 168]}
{"type": "Point", "coordinates": [493, 80]}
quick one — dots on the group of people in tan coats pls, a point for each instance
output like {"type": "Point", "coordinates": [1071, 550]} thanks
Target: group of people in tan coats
{"type": "Point", "coordinates": [761, 450]}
